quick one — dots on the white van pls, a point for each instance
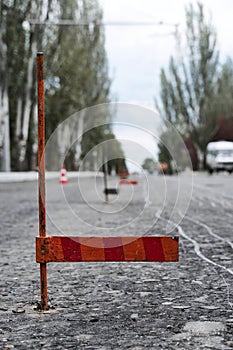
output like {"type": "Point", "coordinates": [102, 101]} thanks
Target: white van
{"type": "Point", "coordinates": [219, 156]}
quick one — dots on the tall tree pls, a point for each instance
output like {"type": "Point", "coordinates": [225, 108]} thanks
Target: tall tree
{"type": "Point", "coordinates": [189, 88]}
{"type": "Point", "coordinates": [76, 69]}
{"type": "Point", "coordinates": [21, 41]}
{"type": "Point", "coordinates": [223, 102]}
{"type": "Point", "coordinates": [78, 77]}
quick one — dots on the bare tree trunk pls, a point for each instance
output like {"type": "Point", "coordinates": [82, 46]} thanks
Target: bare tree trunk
{"type": "Point", "coordinates": [18, 117]}
{"type": "Point", "coordinates": [18, 128]}
{"type": "Point", "coordinates": [5, 159]}
{"type": "Point", "coordinates": [28, 105]}
{"type": "Point", "coordinates": [26, 117]}
{"type": "Point", "coordinates": [34, 144]}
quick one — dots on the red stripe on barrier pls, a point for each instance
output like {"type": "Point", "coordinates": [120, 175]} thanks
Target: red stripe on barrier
{"type": "Point", "coordinates": [169, 249]}
{"type": "Point", "coordinates": [113, 249]}
{"type": "Point", "coordinates": [71, 249]}
{"type": "Point", "coordinates": [153, 249]}
{"type": "Point", "coordinates": [78, 249]}
{"type": "Point", "coordinates": [92, 249]}
{"type": "Point", "coordinates": [133, 249]}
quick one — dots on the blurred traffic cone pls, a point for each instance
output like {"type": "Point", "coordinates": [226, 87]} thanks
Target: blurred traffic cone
{"type": "Point", "coordinates": [63, 176]}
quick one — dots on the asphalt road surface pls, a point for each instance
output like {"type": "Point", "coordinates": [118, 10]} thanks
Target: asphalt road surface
{"type": "Point", "coordinates": [101, 306]}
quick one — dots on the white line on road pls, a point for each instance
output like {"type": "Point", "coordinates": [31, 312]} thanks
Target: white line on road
{"type": "Point", "coordinates": [197, 248]}
{"type": "Point", "coordinates": [199, 253]}
{"type": "Point", "coordinates": [209, 230]}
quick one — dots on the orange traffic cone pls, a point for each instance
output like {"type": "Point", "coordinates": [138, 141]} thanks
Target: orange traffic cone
{"type": "Point", "coordinates": [63, 176]}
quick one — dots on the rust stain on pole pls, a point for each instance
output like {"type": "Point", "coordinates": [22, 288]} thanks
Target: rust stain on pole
{"type": "Point", "coordinates": [41, 174]}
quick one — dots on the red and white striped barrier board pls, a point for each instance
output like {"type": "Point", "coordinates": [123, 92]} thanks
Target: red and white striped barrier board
{"type": "Point", "coordinates": [81, 249]}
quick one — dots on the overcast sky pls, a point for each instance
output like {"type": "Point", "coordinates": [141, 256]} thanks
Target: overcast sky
{"type": "Point", "coordinates": [137, 53]}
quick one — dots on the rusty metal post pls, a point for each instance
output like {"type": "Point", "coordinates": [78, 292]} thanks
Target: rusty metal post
{"type": "Point", "coordinates": [105, 168]}
{"type": "Point", "coordinates": [41, 174]}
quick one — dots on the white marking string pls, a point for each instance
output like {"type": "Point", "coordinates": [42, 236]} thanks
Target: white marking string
{"type": "Point", "coordinates": [209, 230]}
{"type": "Point", "coordinates": [197, 249]}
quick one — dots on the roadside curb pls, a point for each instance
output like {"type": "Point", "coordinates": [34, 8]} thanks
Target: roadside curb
{"type": "Point", "coordinates": [6, 177]}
